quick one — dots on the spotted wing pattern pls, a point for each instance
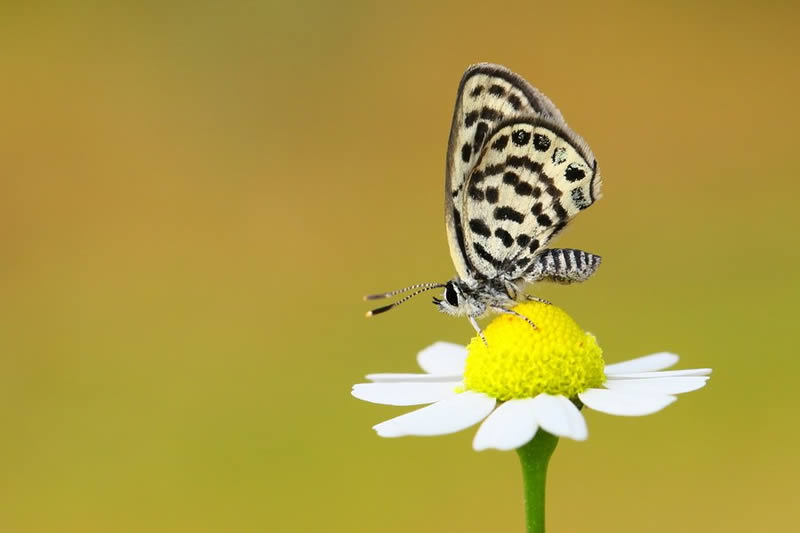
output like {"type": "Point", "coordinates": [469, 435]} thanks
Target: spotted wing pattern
{"type": "Point", "coordinates": [487, 95]}
{"type": "Point", "coordinates": [533, 175]}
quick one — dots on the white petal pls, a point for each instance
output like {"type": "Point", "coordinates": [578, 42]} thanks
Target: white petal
{"type": "Point", "coordinates": [510, 426]}
{"type": "Point", "coordinates": [647, 363]}
{"type": "Point", "coordinates": [443, 358]}
{"type": "Point", "coordinates": [664, 374]}
{"type": "Point", "coordinates": [411, 378]}
{"type": "Point", "coordinates": [624, 404]}
{"type": "Point", "coordinates": [657, 385]}
{"type": "Point", "coordinates": [403, 393]}
{"type": "Point", "coordinates": [446, 416]}
{"type": "Point", "coordinates": [559, 416]}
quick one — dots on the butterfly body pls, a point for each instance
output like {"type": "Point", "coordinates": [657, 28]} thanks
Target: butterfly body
{"type": "Point", "coordinates": [477, 298]}
{"type": "Point", "coordinates": [516, 174]}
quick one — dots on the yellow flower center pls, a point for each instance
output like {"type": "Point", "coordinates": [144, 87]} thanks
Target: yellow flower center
{"type": "Point", "coordinates": [520, 361]}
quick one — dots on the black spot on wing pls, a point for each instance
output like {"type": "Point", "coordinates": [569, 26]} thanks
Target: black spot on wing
{"type": "Point", "coordinates": [537, 192]}
{"type": "Point", "coordinates": [559, 209]}
{"type": "Point", "coordinates": [536, 210]}
{"type": "Point", "coordinates": [520, 137]}
{"type": "Point", "coordinates": [470, 118]}
{"type": "Point", "coordinates": [479, 226]}
{"type": "Point", "coordinates": [550, 186]}
{"type": "Point", "coordinates": [494, 169]}
{"type": "Point", "coordinates": [476, 92]}
{"type": "Point", "coordinates": [515, 102]}
{"type": "Point", "coordinates": [475, 193]}
{"type": "Point", "coordinates": [504, 236]}
{"type": "Point", "coordinates": [466, 152]}
{"type": "Point", "coordinates": [559, 155]}
{"type": "Point", "coordinates": [516, 161]}
{"type": "Point", "coordinates": [488, 113]}
{"type": "Point", "coordinates": [557, 229]}
{"type": "Point", "coordinates": [523, 240]}
{"type": "Point", "coordinates": [533, 246]}
{"type": "Point", "coordinates": [579, 198]}
{"type": "Point", "coordinates": [486, 256]}
{"type": "Point", "coordinates": [497, 90]}
{"type": "Point", "coordinates": [510, 178]}
{"type": "Point", "coordinates": [523, 262]}
{"type": "Point", "coordinates": [554, 191]}
{"type": "Point", "coordinates": [544, 220]}
{"type": "Point", "coordinates": [523, 188]}
{"type": "Point", "coordinates": [500, 143]}
{"type": "Point", "coordinates": [523, 162]}
{"type": "Point", "coordinates": [574, 172]}
{"type": "Point", "coordinates": [508, 213]}
{"type": "Point", "coordinates": [541, 142]}
{"type": "Point", "coordinates": [492, 195]}
{"type": "Point", "coordinates": [480, 134]}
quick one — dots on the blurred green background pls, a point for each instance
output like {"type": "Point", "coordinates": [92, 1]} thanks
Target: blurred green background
{"type": "Point", "coordinates": [194, 197]}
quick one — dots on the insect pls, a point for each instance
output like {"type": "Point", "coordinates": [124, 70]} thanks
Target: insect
{"type": "Point", "coordinates": [516, 174]}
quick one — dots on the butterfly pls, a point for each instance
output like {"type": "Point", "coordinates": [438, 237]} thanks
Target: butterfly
{"type": "Point", "coordinates": [516, 174]}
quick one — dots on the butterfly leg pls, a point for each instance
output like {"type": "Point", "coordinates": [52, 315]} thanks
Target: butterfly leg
{"type": "Point", "coordinates": [531, 298]}
{"type": "Point", "coordinates": [477, 328]}
{"type": "Point", "coordinates": [514, 313]}
{"type": "Point", "coordinates": [511, 290]}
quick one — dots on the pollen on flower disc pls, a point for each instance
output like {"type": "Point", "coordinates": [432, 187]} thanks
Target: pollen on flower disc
{"type": "Point", "coordinates": [520, 361]}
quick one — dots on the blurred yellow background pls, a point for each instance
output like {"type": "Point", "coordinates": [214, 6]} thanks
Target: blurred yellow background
{"type": "Point", "coordinates": [194, 197]}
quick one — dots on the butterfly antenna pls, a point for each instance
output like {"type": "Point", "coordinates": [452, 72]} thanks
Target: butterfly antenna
{"type": "Point", "coordinates": [381, 296]}
{"type": "Point", "coordinates": [427, 287]}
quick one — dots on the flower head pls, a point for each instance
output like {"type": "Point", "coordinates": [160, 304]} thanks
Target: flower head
{"type": "Point", "coordinates": [520, 361]}
{"type": "Point", "coordinates": [523, 379]}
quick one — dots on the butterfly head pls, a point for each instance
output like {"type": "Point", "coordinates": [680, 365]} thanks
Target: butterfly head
{"type": "Point", "coordinates": [457, 299]}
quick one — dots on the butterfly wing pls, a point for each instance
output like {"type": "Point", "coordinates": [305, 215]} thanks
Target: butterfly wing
{"type": "Point", "coordinates": [532, 176]}
{"type": "Point", "coordinates": [487, 95]}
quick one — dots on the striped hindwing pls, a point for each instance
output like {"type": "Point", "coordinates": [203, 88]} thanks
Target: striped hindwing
{"type": "Point", "coordinates": [532, 177]}
{"type": "Point", "coordinates": [487, 95]}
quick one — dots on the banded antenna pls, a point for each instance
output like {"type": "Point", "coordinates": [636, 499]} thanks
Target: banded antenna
{"type": "Point", "coordinates": [421, 287]}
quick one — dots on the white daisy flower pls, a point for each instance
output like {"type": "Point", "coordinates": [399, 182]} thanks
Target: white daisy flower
{"type": "Point", "coordinates": [523, 380]}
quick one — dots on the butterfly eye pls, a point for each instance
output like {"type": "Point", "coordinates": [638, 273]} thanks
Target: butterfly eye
{"type": "Point", "coordinates": [450, 294]}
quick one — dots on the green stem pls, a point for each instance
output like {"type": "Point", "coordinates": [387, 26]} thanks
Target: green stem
{"type": "Point", "coordinates": [534, 457]}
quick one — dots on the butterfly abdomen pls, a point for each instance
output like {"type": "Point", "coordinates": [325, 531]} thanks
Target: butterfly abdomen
{"type": "Point", "coordinates": [563, 265]}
